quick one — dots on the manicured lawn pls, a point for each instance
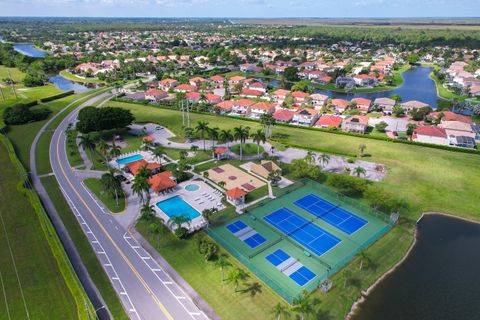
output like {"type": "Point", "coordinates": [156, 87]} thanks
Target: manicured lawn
{"type": "Point", "coordinates": [27, 263]}
{"type": "Point", "coordinates": [257, 194]}
{"type": "Point", "coordinates": [96, 187]}
{"type": "Point", "coordinates": [73, 77]}
{"type": "Point", "coordinates": [89, 258]}
{"type": "Point", "coordinates": [427, 179]}
{"type": "Point", "coordinates": [24, 94]}
{"type": "Point", "coordinates": [183, 256]}
{"type": "Point", "coordinates": [444, 92]}
{"type": "Point", "coordinates": [248, 149]}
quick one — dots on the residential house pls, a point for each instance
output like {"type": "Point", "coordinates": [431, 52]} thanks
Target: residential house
{"type": "Point", "coordinates": [247, 67]}
{"type": "Point", "coordinates": [457, 128]}
{"type": "Point", "coordinates": [280, 95]}
{"type": "Point", "coordinates": [451, 116]}
{"type": "Point", "coordinates": [430, 134]}
{"type": "Point", "coordinates": [247, 93]}
{"type": "Point", "coordinates": [339, 105]}
{"type": "Point", "coordinates": [242, 106]}
{"type": "Point", "coordinates": [236, 80]}
{"type": "Point", "coordinates": [185, 88]}
{"type": "Point", "coordinates": [212, 98]}
{"type": "Point", "coordinates": [345, 82]}
{"type": "Point", "coordinates": [355, 124]}
{"type": "Point", "coordinates": [300, 97]}
{"type": "Point", "coordinates": [305, 116]}
{"type": "Point", "coordinates": [258, 86]}
{"type": "Point", "coordinates": [155, 94]}
{"type": "Point", "coordinates": [363, 80]}
{"type": "Point", "coordinates": [386, 104]}
{"type": "Point", "coordinates": [329, 121]}
{"type": "Point", "coordinates": [197, 81]}
{"type": "Point", "coordinates": [167, 84]}
{"type": "Point", "coordinates": [362, 104]}
{"type": "Point", "coordinates": [260, 108]}
{"type": "Point", "coordinates": [318, 100]}
{"type": "Point", "coordinates": [193, 97]}
{"type": "Point", "coordinates": [283, 115]}
{"type": "Point", "coordinates": [217, 81]}
{"type": "Point", "coordinates": [412, 104]}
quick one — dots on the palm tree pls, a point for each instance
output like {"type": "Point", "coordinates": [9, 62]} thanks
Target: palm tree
{"type": "Point", "coordinates": [359, 171]}
{"type": "Point", "coordinates": [213, 134]}
{"type": "Point", "coordinates": [274, 177]}
{"type": "Point", "coordinates": [346, 275]}
{"type": "Point", "coordinates": [183, 154]}
{"type": "Point", "coordinates": [194, 148]}
{"type": "Point", "coordinates": [364, 259]}
{"type": "Point", "coordinates": [222, 263]}
{"type": "Point", "coordinates": [253, 288]}
{"type": "Point", "coordinates": [158, 152]}
{"type": "Point", "coordinates": [88, 144]}
{"type": "Point", "coordinates": [304, 305]}
{"type": "Point", "coordinates": [103, 147]}
{"type": "Point", "coordinates": [362, 148]}
{"type": "Point", "coordinates": [202, 128]}
{"type": "Point", "coordinates": [146, 146]}
{"type": "Point", "coordinates": [156, 229]}
{"type": "Point", "coordinates": [115, 151]}
{"type": "Point", "coordinates": [205, 175]}
{"type": "Point", "coordinates": [140, 187]}
{"type": "Point", "coordinates": [176, 221]}
{"type": "Point", "coordinates": [111, 184]}
{"type": "Point", "coordinates": [147, 212]}
{"type": "Point", "coordinates": [279, 311]}
{"type": "Point", "coordinates": [235, 276]}
{"type": "Point", "coordinates": [221, 184]}
{"type": "Point", "coordinates": [226, 136]}
{"type": "Point", "coordinates": [241, 133]}
{"type": "Point", "coordinates": [267, 121]}
{"type": "Point", "coordinates": [324, 159]}
{"type": "Point", "coordinates": [259, 137]}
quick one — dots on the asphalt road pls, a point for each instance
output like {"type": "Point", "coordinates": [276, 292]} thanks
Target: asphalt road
{"type": "Point", "coordinates": [145, 290]}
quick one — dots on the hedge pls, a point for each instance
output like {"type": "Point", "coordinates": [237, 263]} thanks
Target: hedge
{"type": "Point", "coordinates": [57, 96]}
{"type": "Point", "coordinates": [49, 231]}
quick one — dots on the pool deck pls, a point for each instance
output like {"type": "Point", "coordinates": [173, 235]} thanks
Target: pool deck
{"type": "Point", "coordinates": [206, 197]}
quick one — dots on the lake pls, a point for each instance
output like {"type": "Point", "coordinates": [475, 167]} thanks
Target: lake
{"type": "Point", "coordinates": [438, 281]}
{"type": "Point", "coordinates": [65, 84]}
{"type": "Point", "coordinates": [417, 85]}
{"type": "Point", "coordinates": [29, 49]}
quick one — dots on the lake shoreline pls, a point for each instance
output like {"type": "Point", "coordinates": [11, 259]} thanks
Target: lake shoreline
{"type": "Point", "coordinates": [355, 306]}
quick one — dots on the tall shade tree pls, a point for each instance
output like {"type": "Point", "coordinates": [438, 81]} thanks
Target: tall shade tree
{"type": "Point", "coordinates": [259, 137]}
{"type": "Point", "coordinates": [202, 129]}
{"type": "Point", "coordinates": [88, 145]}
{"type": "Point", "coordinates": [111, 184]}
{"type": "Point", "coordinates": [241, 133]}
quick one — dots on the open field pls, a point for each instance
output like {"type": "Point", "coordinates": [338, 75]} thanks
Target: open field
{"type": "Point", "coordinates": [248, 149]}
{"type": "Point", "coordinates": [96, 187]}
{"type": "Point", "coordinates": [24, 94]}
{"type": "Point", "coordinates": [30, 275]}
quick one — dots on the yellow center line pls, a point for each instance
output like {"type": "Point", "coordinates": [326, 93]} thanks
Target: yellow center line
{"type": "Point", "coordinates": [149, 290]}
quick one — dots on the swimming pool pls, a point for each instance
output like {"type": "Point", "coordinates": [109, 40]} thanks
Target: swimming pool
{"type": "Point", "coordinates": [192, 187]}
{"type": "Point", "coordinates": [129, 159]}
{"type": "Point", "coordinates": [176, 206]}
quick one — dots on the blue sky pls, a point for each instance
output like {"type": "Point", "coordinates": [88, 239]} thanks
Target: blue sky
{"type": "Point", "coordinates": [241, 8]}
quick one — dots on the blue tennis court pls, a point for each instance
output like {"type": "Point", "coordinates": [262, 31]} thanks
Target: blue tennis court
{"type": "Point", "coordinates": [246, 233]}
{"type": "Point", "coordinates": [303, 231]}
{"type": "Point", "coordinates": [290, 267]}
{"type": "Point", "coordinates": [331, 214]}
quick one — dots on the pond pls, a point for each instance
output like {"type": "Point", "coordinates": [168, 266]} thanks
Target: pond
{"type": "Point", "coordinates": [29, 49]}
{"type": "Point", "coordinates": [65, 84]}
{"type": "Point", "coordinates": [438, 280]}
{"type": "Point", "coordinates": [417, 85]}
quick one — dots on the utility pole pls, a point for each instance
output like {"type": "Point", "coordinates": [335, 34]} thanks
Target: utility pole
{"type": "Point", "coordinates": [183, 113]}
{"type": "Point", "coordinates": [1, 91]}
{"type": "Point", "coordinates": [188, 114]}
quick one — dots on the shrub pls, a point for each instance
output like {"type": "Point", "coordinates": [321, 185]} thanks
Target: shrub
{"type": "Point", "coordinates": [21, 114]}
{"type": "Point", "coordinates": [181, 232]}
{"type": "Point", "coordinates": [348, 185]}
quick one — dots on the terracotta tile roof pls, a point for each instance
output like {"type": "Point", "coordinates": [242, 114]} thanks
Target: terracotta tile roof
{"type": "Point", "coordinates": [220, 150]}
{"type": "Point", "coordinates": [235, 193]}
{"type": "Point", "coordinates": [249, 92]}
{"type": "Point", "coordinates": [283, 115]}
{"type": "Point", "coordinates": [452, 116]}
{"type": "Point", "coordinates": [328, 120]}
{"type": "Point", "coordinates": [162, 181]}
{"type": "Point", "coordinates": [186, 87]}
{"type": "Point", "coordinates": [226, 105]}
{"type": "Point", "coordinates": [362, 101]}
{"type": "Point", "coordinates": [135, 166]}
{"type": "Point", "coordinates": [430, 131]}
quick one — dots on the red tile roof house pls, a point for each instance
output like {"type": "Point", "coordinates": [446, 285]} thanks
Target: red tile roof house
{"type": "Point", "coordinates": [355, 124]}
{"type": "Point", "coordinates": [193, 96]}
{"type": "Point", "coordinates": [452, 116]}
{"type": "Point", "coordinates": [185, 88]}
{"type": "Point", "coordinates": [155, 94]}
{"type": "Point", "coordinates": [135, 166]}
{"type": "Point", "coordinates": [279, 95]}
{"type": "Point", "coordinates": [318, 100]}
{"type": "Point", "coordinates": [236, 80]}
{"type": "Point", "coordinates": [386, 104]}
{"type": "Point", "coordinates": [329, 121]}
{"type": "Point", "coordinates": [363, 104]}
{"type": "Point", "coordinates": [260, 108]}
{"type": "Point", "coordinates": [430, 134]}
{"type": "Point", "coordinates": [413, 104]}
{"type": "Point", "coordinates": [247, 67]}
{"type": "Point", "coordinates": [247, 93]}
{"type": "Point", "coordinates": [299, 97]}
{"type": "Point", "coordinates": [283, 115]}
{"type": "Point", "coordinates": [213, 98]}
{"type": "Point", "coordinates": [167, 84]}
{"type": "Point", "coordinates": [305, 116]}
{"type": "Point", "coordinates": [363, 80]}
{"type": "Point", "coordinates": [242, 107]}
{"type": "Point", "coordinates": [217, 81]}
{"type": "Point", "coordinates": [339, 105]}
{"type": "Point", "coordinates": [236, 196]}
{"type": "Point", "coordinates": [162, 181]}
{"type": "Point", "coordinates": [197, 81]}
{"type": "Point", "coordinates": [258, 86]}
{"type": "Point", "coordinates": [225, 106]}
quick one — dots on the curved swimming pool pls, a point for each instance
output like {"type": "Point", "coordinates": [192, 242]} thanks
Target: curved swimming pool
{"type": "Point", "coordinates": [192, 187]}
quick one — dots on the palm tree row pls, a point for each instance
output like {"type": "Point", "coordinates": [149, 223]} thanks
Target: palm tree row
{"type": "Point", "coordinates": [304, 306]}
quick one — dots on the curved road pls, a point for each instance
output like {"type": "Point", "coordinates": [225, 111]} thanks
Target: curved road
{"type": "Point", "coordinates": [145, 290]}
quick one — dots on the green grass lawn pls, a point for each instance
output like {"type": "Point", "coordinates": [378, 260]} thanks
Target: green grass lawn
{"type": "Point", "coordinates": [82, 244]}
{"type": "Point", "coordinates": [444, 92]}
{"type": "Point", "coordinates": [183, 256]}
{"type": "Point", "coordinates": [73, 77]}
{"type": "Point", "coordinates": [96, 187]}
{"type": "Point", "coordinates": [24, 94]}
{"type": "Point", "coordinates": [248, 149]}
{"type": "Point", "coordinates": [427, 179]}
{"type": "Point", "coordinates": [256, 194]}
{"type": "Point", "coordinates": [27, 264]}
